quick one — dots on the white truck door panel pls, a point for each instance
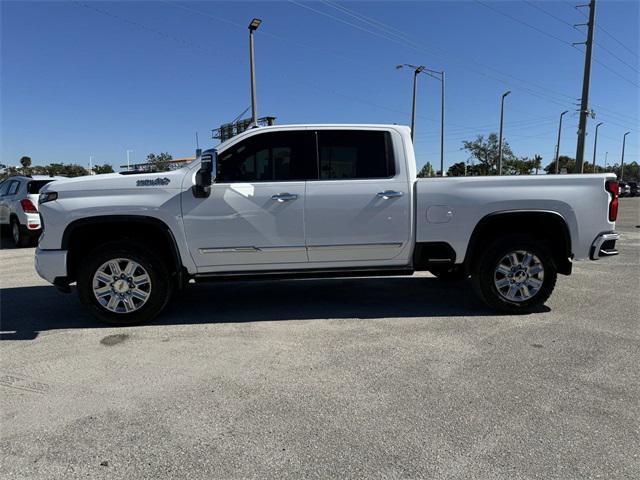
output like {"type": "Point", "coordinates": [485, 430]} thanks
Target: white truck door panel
{"type": "Point", "coordinates": [254, 216]}
{"type": "Point", "coordinates": [245, 224]}
{"type": "Point", "coordinates": [350, 218]}
{"type": "Point", "coordinates": [350, 221]}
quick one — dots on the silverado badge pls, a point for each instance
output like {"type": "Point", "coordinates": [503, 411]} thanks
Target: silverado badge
{"type": "Point", "coordinates": [156, 182]}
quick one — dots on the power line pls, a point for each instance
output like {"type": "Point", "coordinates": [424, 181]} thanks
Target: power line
{"type": "Point", "coordinates": [402, 38]}
{"type": "Point", "coordinates": [543, 32]}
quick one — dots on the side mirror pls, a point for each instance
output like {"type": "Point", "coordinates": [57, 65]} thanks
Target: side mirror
{"type": "Point", "coordinates": [205, 175]}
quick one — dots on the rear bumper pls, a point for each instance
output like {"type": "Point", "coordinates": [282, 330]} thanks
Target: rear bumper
{"type": "Point", "coordinates": [604, 245]}
{"type": "Point", "coordinates": [51, 264]}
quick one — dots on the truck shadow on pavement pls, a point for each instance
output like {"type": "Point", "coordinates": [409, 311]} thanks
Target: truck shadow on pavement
{"type": "Point", "coordinates": [27, 311]}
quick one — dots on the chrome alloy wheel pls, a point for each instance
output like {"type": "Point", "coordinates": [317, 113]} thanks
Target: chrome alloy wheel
{"type": "Point", "coordinates": [519, 276]}
{"type": "Point", "coordinates": [121, 285]}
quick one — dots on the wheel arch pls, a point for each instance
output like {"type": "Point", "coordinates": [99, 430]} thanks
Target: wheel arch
{"type": "Point", "coordinates": [84, 234]}
{"type": "Point", "coordinates": [543, 225]}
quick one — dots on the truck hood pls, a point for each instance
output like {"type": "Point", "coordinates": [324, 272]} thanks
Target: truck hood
{"type": "Point", "coordinates": [116, 181]}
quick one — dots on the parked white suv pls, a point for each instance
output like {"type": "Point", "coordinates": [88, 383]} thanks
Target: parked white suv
{"type": "Point", "coordinates": [317, 200]}
{"type": "Point", "coordinates": [19, 207]}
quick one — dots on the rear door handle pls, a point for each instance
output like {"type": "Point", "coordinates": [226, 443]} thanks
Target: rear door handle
{"type": "Point", "coordinates": [284, 197]}
{"type": "Point", "coordinates": [387, 194]}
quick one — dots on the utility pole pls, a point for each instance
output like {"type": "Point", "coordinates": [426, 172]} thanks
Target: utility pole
{"type": "Point", "coordinates": [442, 125]}
{"type": "Point", "coordinates": [90, 163]}
{"type": "Point", "coordinates": [128, 163]}
{"type": "Point", "coordinates": [624, 140]}
{"type": "Point", "coordinates": [584, 103]}
{"type": "Point", "coordinates": [595, 146]}
{"type": "Point", "coordinates": [253, 26]}
{"type": "Point", "coordinates": [558, 143]}
{"type": "Point", "coordinates": [500, 139]}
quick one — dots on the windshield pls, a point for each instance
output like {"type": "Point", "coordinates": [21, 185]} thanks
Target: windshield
{"type": "Point", "coordinates": [34, 186]}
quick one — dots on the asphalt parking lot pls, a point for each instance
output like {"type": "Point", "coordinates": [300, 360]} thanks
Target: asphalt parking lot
{"type": "Point", "coordinates": [361, 378]}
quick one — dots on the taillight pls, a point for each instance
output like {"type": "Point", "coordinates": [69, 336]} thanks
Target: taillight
{"type": "Point", "coordinates": [613, 188]}
{"type": "Point", "coordinates": [28, 206]}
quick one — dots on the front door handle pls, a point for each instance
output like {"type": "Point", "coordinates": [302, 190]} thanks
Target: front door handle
{"type": "Point", "coordinates": [284, 197]}
{"type": "Point", "coordinates": [387, 194]}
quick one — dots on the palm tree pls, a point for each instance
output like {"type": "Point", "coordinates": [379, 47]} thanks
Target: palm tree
{"type": "Point", "coordinates": [537, 162]}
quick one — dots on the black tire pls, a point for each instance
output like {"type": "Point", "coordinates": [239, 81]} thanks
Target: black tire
{"type": "Point", "coordinates": [20, 239]}
{"type": "Point", "coordinates": [160, 288]}
{"type": "Point", "coordinates": [485, 276]}
{"type": "Point", "coordinates": [449, 274]}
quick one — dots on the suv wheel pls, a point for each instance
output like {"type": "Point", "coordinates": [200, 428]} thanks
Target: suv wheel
{"type": "Point", "coordinates": [19, 238]}
{"type": "Point", "coordinates": [122, 285]}
{"type": "Point", "coordinates": [515, 274]}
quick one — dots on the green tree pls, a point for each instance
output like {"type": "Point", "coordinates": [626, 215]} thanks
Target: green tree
{"type": "Point", "coordinates": [26, 163]}
{"type": "Point", "coordinates": [426, 171]}
{"type": "Point", "coordinates": [486, 152]}
{"type": "Point", "coordinates": [537, 163]}
{"type": "Point", "coordinates": [160, 162]}
{"type": "Point", "coordinates": [563, 162]}
{"type": "Point", "coordinates": [106, 168]}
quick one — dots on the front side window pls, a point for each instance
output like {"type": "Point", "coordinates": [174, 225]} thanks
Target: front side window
{"type": "Point", "coordinates": [4, 186]}
{"type": "Point", "coordinates": [267, 157]}
{"type": "Point", "coordinates": [353, 154]}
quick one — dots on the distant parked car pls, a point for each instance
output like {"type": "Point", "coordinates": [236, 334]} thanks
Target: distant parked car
{"type": "Point", "coordinates": [623, 189]}
{"type": "Point", "coordinates": [633, 189]}
{"type": "Point", "coordinates": [19, 207]}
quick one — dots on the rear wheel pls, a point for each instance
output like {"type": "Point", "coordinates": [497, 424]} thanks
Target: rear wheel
{"type": "Point", "coordinates": [20, 239]}
{"type": "Point", "coordinates": [120, 284]}
{"type": "Point", "coordinates": [515, 274]}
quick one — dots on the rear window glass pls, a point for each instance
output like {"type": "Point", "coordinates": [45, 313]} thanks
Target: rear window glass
{"type": "Point", "coordinates": [34, 186]}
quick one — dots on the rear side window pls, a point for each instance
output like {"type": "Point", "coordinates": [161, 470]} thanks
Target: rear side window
{"type": "Point", "coordinates": [4, 187]}
{"type": "Point", "coordinates": [13, 187]}
{"type": "Point", "coordinates": [353, 154]}
{"type": "Point", "coordinates": [268, 157]}
{"type": "Point", "coordinates": [34, 186]}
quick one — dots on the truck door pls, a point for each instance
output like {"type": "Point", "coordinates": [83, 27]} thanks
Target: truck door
{"type": "Point", "coordinates": [358, 206]}
{"type": "Point", "coordinates": [254, 217]}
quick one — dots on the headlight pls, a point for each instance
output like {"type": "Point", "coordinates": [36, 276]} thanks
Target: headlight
{"type": "Point", "coordinates": [47, 197]}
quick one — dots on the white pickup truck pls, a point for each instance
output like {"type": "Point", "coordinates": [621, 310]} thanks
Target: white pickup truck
{"type": "Point", "coordinates": [311, 201]}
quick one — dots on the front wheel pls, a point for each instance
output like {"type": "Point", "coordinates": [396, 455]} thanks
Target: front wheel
{"type": "Point", "coordinates": [515, 274]}
{"type": "Point", "coordinates": [121, 285]}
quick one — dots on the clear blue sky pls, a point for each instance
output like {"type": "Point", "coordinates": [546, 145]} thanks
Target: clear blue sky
{"type": "Point", "coordinates": [98, 78]}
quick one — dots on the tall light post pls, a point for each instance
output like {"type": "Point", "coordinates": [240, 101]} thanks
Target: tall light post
{"type": "Point", "coordinates": [595, 146]}
{"type": "Point", "coordinates": [558, 142]}
{"type": "Point", "coordinates": [624, 140]}
{"type": "Point", "coordinates": [501, 124]}
{"type": "Point", "coordinates": [128, 162]}
{"type": "Point", "coordinates": [253, 26]}
{"type": "Point", "coordinates": [438, 75]}
{"type": "Point", "coordinates": [417, 69]}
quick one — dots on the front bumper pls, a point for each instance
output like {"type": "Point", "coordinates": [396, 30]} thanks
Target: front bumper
{"type": "Point", "coordinates": [604, 245]}
{"type": "Point", "coordinates": [51, 264]}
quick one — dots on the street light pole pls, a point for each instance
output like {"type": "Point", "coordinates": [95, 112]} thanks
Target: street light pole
{"type": "Point", "coordinates": [558, 143]}
{"type": "Point", "coordinates": [595, 146]}
{"type": "Point", "coordinates": [253, 26]}
{"type": "Point", "coordinates": [128, 164]}
{"type": "Point", "coordinates": [501, 124]}
{"type": "Point", "coordinates": [624, 140]}
{"type": "Point", "coordinates": [417, 69]}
